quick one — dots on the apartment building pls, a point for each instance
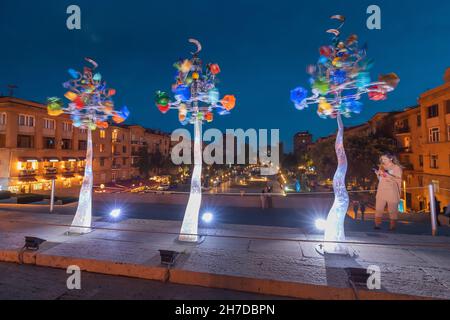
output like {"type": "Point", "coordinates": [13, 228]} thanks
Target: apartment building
{"type": "Point", "coordinates": [36, 148]}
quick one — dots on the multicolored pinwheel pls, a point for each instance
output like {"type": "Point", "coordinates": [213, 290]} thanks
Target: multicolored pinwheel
{"type": "Point", "coordinates": [196, 99]}
{"type": "Point", "coordinates": [90, 107]}
{"type": "Point", "coordinates": [339, 79]}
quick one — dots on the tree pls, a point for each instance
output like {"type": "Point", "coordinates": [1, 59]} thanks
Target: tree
{"type": "Point", "coordinates": [363, 153]}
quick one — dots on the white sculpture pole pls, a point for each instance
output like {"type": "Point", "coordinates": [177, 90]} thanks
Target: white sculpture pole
{"type": "Point", "coordinates": [189, 228]}
{"type": "Point", "coordinates": [334, 230]}
{"type": "Point", "coordinates": [82, 222]}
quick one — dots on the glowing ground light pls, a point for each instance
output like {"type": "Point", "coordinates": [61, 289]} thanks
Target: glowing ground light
{"type": "Point", "coordinates": [321, 224]}
{"type": "Point", "coordinates": [207, 217]}
{"type": "Point", "coordinates": [115, 213]}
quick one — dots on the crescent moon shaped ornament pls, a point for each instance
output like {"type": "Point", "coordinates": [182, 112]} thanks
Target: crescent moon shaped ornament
{"type": "Point", "coordinates": [91, 61]}
{"type": "Point", "coordinates": [340, 18]}
{"type": "Point", "coordinates": [198, 44]}
{"type": "Point", "coordinates": [334, 31]}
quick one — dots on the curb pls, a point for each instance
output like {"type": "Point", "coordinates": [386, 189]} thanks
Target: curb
{"type": "Point", "coordinates": [209, 280]}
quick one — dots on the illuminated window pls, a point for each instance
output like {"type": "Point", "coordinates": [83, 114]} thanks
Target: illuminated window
{"type": "Point", "coordinates": [435, 184]}
{"type": "Point", "coordinates": [101, 147]}
{"type": "Point", "coordinates": [115, 135]}
{"type": "Point", "coordinates": [102, 134]}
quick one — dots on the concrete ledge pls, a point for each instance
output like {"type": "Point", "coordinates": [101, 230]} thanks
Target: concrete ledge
{"type": "Point", "coordinates": [280, 288]}
{"type": "Point", "coordinates": [244, 284]}
{"type": "Point", "coordinates": [9, 256]}
{"type": "Point", "coordinates": [104, 267]}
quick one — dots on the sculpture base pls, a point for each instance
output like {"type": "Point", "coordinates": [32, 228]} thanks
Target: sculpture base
{"type": "Point", "coordinates": [187, 239]}
{"type": "Point", "coordinates": [335, 249]}
{"type": "Point", "coordinates": [77, 231]}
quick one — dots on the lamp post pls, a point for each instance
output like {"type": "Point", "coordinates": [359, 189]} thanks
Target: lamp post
{"type": "Point", "coordinates": [196, 99]}
{"type": "Point", "coordinates": [339, 79]}
{"type": "Point", "coordinates": [90, 107]}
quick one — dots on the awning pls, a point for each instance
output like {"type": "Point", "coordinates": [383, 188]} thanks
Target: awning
{"type": "Point", "coordinates": [70, 159]}
{"type": "Point", "coordinates": [49, 177]}
{"type": "Point", "coordinates": [27, 179]}
{"type": "Point", "coordinates": [29, 159]}
{"type": "Point", "coordinates": [68, 175]}
{"type": "Point", "coordinates": [51, 159]}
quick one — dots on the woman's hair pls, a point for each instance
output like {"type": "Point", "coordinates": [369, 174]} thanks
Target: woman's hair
{"type": "Point", "coordinates": [391, 157]}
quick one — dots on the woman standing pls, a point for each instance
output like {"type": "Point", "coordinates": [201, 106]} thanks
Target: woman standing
{"type": "Point", "coordinates": [389, 176]}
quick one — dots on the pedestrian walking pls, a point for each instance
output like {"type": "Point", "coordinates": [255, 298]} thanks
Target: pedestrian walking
{"type": "Point", "coordinates": [437, 206]}
{"type": "Point", "coordinates": [389, 174]}
{"type": "Point", "coordinates": [362, 207]}
{"type": "Point", "coordinates": [447, 212]}
{"type": "Point", "coordinates": [269, 197]}
{"type": "Point", "coordinates": [262, 197]}
{"type": "Point", "coordinates": [356, 208]}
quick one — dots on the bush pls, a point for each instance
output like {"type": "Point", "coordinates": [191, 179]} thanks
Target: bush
{"type": "Point", "coordinates": [5, 195]}
{"type": "Point", "coordinates": [29, 198]}
{"type": "Point", "coordinates": [66, 200]}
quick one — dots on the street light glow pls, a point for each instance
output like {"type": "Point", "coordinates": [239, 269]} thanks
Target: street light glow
{"type": "Point", "coordinates": [207, 217]}
{"type": "Point", "coordinates": [321, 224]}
{"type": "Point", "coordinates": [115, 213]}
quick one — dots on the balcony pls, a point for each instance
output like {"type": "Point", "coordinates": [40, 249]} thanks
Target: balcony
{"type": "Point", "coordinates": [402, 130]}
{"type": "Point", "coordinates": [27, 175]}
{"type": "Point", "coordinates": [50, 173]}
{"type": "Point", "coordinates": [68, 172]}
{"type": "Point", "coordinates": [405, 150]}
{"type": "Point", "coordinates": [408, 166]}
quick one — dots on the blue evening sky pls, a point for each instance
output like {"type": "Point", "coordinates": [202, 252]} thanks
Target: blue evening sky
{"type": "Point", "coordinates": [263, 48]}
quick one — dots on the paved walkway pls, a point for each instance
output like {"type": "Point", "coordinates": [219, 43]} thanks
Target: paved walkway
{"type": "Point", "coordinates": [258, 259]}
{"type": "Point", "coordinates": [25, 282]}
